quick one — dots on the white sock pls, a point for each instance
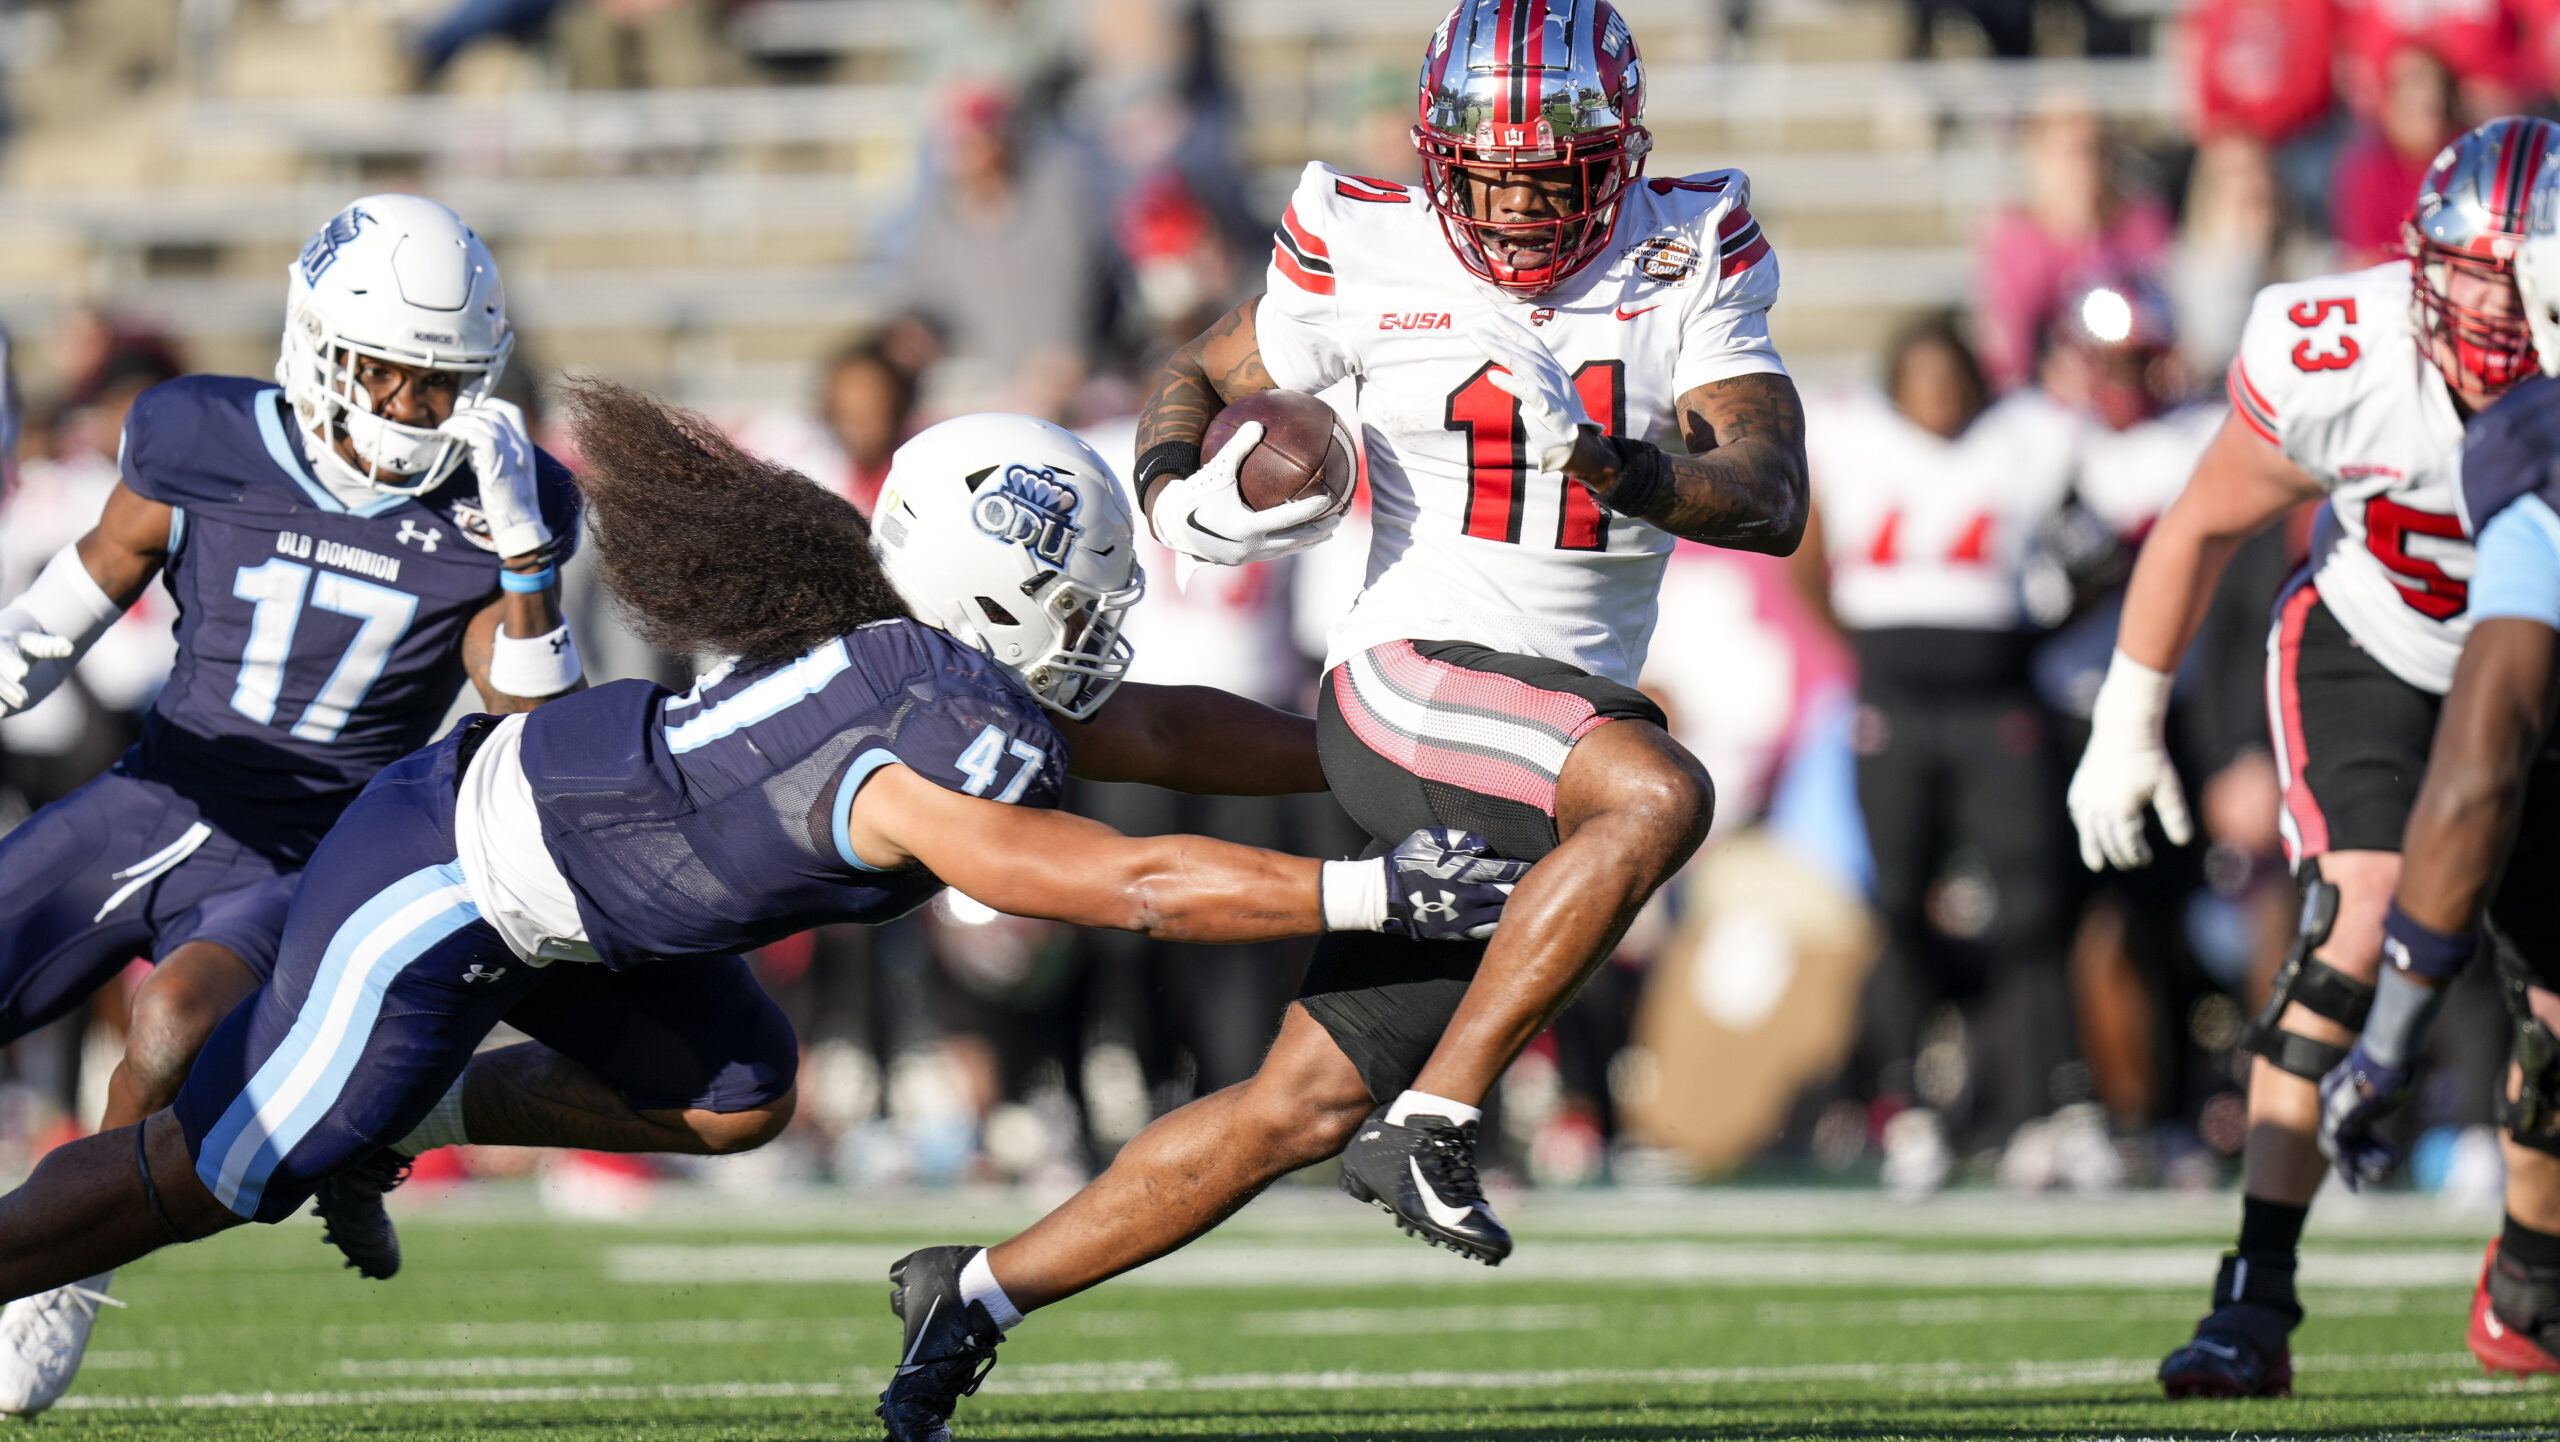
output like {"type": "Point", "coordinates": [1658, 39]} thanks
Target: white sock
{"type": "Point", "coordinates": [1424, 1104]}
{"type": "Point", "coordinates": [978, 1284]}
{"type": "Point", "coordinates": [443, 1126]}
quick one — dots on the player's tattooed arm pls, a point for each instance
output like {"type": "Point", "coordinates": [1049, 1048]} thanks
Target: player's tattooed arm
{"type": "Point", "coordinates": [1196, 739]}
{"type": "Point", "coordinates": [128, 546]}
{"type": "Point", "coordinates": [1218, 365]}
{"type": "Point", "coordinates": [525, 613]}
{"type": "Point", "coordinates": [1743, 484]}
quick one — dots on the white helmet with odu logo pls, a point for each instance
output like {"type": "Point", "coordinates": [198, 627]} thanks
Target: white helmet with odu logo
{"type": "Point", "coordinates": [399, 278]}
{"type": "Point", "coordinates": [1013, 536]}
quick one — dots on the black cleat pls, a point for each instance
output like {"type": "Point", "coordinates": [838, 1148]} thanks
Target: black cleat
{"type": "Point", "coordinates": [352, 1219]}
{"type": "Point", "coordinates": [1424, 1175]}
{"type": "Point", "coordinates": [950, 1345]}
{"type": "Point", "coordinates": [2237, 1351]}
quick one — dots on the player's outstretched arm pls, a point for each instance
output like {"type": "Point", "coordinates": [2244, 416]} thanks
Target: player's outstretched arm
{"type": "Point", "coordinates": [2240, 484]}
{"type": "Point", "coordinates": [1437, 886]}
{"type": "Point", "coordinates": [1196, 739]}
{"type": "Point", "coordinates": [78, 595]}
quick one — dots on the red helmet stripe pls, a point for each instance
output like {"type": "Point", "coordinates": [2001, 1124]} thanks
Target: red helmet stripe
{"type": "Point", "coordinates": [1504, 22]}
{"type": "Point", "coordinates": [2504, 191]}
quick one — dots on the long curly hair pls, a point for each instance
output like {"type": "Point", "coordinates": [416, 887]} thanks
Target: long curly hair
{"type": "Point", "coordinates": [708, 550]}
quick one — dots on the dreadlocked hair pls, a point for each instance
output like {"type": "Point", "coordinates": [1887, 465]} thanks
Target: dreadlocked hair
{"type": "Point", "coordinates": [708, 550]}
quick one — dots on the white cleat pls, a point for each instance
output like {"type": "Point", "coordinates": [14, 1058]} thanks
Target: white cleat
{"type": "Point", "coordinates": [41, 1341]}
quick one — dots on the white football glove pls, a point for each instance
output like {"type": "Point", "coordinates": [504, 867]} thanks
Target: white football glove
{"type": "Point", "coordinates": [2126, 770]}
{"type": "Point", "coordinates": [48, 628]}
{"type": "Point", "coordinates": [1203, 515]}
{"type": "Point", "coordinates": [502, 457]}
{"type": "Point", "coordinates": [20, 650]}
{"type": "Point", "coordinates": [1551, 414]}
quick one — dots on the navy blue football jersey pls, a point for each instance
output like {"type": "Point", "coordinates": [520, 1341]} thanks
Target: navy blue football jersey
{"type": "Point", "coordinates": [317, 643]}
{"type": "Point", "coordinates": [700, 824]}
{"type": "Point", "coordinates": [2512, 451]}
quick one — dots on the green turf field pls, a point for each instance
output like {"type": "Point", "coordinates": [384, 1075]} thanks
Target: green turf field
{"type": "Point", "coordinates": [1748, 1313]}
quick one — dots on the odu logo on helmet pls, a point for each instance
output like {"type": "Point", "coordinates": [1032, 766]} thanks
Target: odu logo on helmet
{"type": "Point", "coordinates": [1030, 509]}
{"type": "Point", "coordinates": [322, 251]}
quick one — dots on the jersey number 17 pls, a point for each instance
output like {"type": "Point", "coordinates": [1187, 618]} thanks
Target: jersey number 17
{"type": "Point", "coordinates": [1498, 473]}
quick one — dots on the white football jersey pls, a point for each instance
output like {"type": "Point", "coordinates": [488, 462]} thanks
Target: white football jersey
{"type": "Point", "coordinates": [2334, 372]}
{"type": "Point", "coordinates": [2128, 477]}
{"type": "Point", "coordinates": [1470, 542]}
{"type": "Point", "coordinates": [1924, 531]}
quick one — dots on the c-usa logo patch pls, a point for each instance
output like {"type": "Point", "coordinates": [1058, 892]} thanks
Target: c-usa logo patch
{"type": "Point", "coordinates": [321, 252]}
{"type": "Point", "coordinates": [1030, 508]}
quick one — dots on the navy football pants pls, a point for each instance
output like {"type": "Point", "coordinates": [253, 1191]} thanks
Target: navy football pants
{"type": "Point", "coordinates": [388, 980]}
{"type": "Point", "coordinates": [122, 868]}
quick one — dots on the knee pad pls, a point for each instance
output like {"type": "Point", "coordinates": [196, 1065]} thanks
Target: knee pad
{"type": "Point", "coordinates": [2316, 986]}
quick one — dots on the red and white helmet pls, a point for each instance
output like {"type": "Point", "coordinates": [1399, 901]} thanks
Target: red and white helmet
{"type": "Point", "coordinates": [2470, 216]}
{"type": "Point", "coordinates": [1531, 85]}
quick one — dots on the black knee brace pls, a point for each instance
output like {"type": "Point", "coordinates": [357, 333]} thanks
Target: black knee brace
{"type": "Point", "coordinates": [2318, 987]}
{"type": "Point", "coordinates": [2532, 1117]}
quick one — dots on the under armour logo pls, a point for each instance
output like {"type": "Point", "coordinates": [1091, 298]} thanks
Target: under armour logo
{"type": "Point", "coordinates": [560, 641]}
{"type": "Point", "coordinates": [1443, 909]}
{"type": "Point", "coordinates": [483, 973]}
{"type": "Point", "coordinates": [426, 539]}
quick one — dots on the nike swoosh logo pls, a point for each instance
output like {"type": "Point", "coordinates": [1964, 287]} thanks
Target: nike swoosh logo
{"type": "Point", "coordinates": [2227, 1354]}
{"type": "Point", "coordinates": [909, 1362]}
{"type": "Point", "coordinates": [1626, 314]}
{"type": "Point", "coordinates": [2497, 1329]}
{"type": "Point", "coordinates": [1438, 1210]}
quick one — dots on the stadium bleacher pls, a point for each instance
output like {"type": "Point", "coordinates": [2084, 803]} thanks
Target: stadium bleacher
{"type": "Point", "coordinates": [742, 227]}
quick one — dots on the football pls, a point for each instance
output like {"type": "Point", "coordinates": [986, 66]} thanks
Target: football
{"type": "Point", "coordinates": [1305, 449]}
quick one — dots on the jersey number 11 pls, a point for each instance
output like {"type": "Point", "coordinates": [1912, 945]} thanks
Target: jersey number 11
{"type": "Point", "coordinates": [1498, 473]}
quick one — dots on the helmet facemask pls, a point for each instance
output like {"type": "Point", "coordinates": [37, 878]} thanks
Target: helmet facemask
{"type": "Point", "coordinates": [1597, 171]}
{"type": "Point", "coordinates": [2491, 352]}
{"type": "Point", "coordinates": [1090, 657]}
{"type": "Point", "coordinates": [391, 457]}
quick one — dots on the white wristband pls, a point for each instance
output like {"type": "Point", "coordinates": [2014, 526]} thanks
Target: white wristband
{"type": "Point", "coordinates": [535, 666]}
{"type": "Point", "coordinates": [2133, 698]}
{"type": "Point", "coordinates": [66, 601]}
{"type": "Point", "coordinates": [1355, 895]}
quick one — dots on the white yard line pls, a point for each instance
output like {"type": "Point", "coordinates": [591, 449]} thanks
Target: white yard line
{"type": "Point", "coordinates": [1310, 1213]}
{"type": "Point", "coordinates": [1162, 1376]}
{"type": "Point", "coordinates": [1243, 1264]}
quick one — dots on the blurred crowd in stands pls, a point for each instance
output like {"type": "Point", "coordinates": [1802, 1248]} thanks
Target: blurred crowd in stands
{"type": "Point", "coordinates": [1896, 709]}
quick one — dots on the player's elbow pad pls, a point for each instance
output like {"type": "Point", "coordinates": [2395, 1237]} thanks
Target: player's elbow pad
{"type": "Point", "coordinates": [535, 666]}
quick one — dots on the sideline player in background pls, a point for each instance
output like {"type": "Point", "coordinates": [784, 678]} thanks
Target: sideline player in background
{"type": "Point", "coordinates": [345, 546]}
{"type": "Point", "coordinates": [2486, 813]}
{"type": "Point", "coordinates": [1526, 330]}
{"type": "Point", "coordinates": [2355, 388]}
{"type": "Point", "coordinates": [894, 723]}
